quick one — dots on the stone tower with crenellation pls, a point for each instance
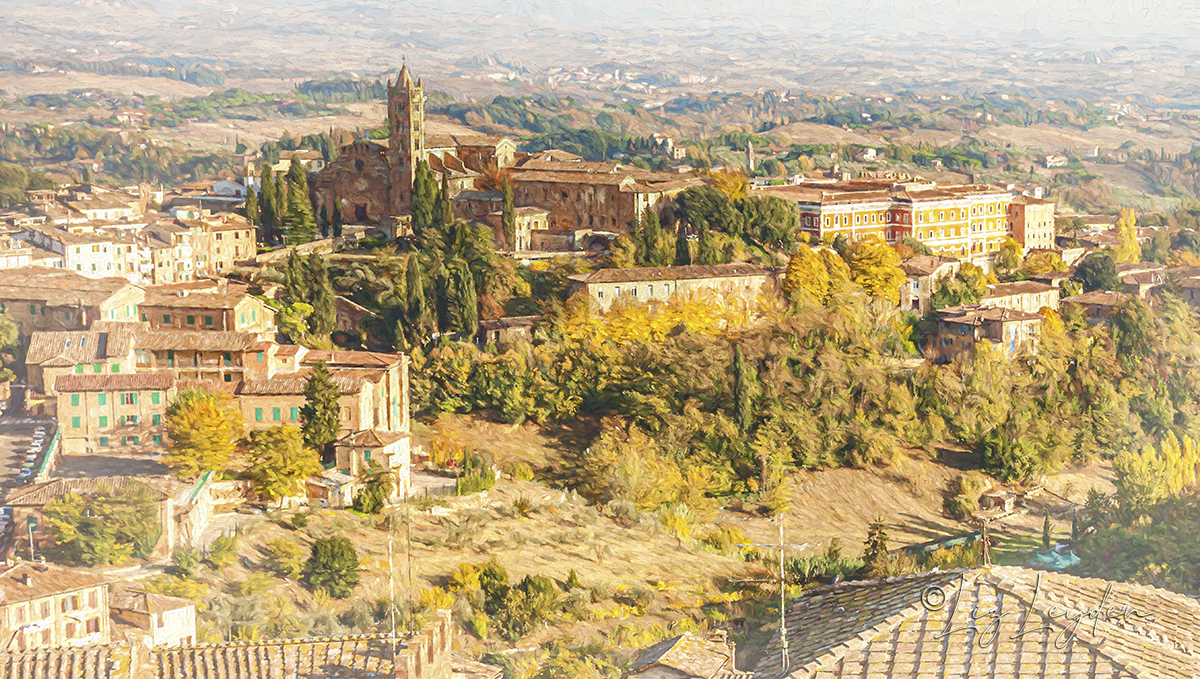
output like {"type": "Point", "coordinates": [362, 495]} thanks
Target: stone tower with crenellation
{"type": "Point", "coordinates": [406, 137]}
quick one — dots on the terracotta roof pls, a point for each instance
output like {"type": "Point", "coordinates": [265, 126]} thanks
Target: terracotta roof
{"type": "Point", "coordinates": [920, 625]}
{"type": "Point", "coordinates": [1018, 288]}
{"type": "Point", "coordinates": [138, 601]}
{"type": "Point", "coordinates": [974, 314]}
{"type": "Point", "coordinates": [1138, 267]}
{"type": "Point", "coordinates": [195, 340]}
{"type": "Point", "coordinates": [291, 384]}
{"type": "Point", "coordinates": [689, 655]}
{"type": "Point", "coordinates": [510, 322]}
{"type": "Point", "coordinates": [925, 265]}
{"type": "Point", "coordinates": [670, 273]}
{"type": "Point", "coordinates": [43, 580]}
{"type": "Point", "coordinates": [39, 494]}
{"type": "Point", "coordinates": [57, 287]}
{"type": "Point", "coordinates": [66, 348]}
{"type": "Point", "coordinates": [1030, 200]}
{"type": "Point", "coordinates": [370, 438]}
{"type": "Point", "coordinates": [194, 300]}
{"type": "Point", "coordinates": [446, 141]}
{"type": "Point", "coordinates": [351, 359]}
{"type": "Point", "coordinates": [1098, 297]}
{"type": "Point", "coordinates": [158, 379]}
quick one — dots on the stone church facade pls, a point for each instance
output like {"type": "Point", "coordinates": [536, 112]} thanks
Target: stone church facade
{"type": "Point", "coordinates": [373, 179]}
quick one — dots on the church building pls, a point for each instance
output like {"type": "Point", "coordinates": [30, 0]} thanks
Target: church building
{"type": "Point", "coordinates": [373, 178]}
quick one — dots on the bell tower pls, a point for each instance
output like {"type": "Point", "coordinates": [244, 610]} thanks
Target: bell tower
{"type": "Point", "coordinates": [406, 138]}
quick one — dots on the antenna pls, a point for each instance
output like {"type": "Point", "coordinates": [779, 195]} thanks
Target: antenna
{"type": "Point", "coordinates": [785, 662]}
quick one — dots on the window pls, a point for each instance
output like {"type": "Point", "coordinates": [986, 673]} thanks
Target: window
{"type": "Point", "coordinates": [916, 287]}
{"type": "Point", "coordinates": [258, 414]}
{"type": "Point", "coordinates": [275, 414]}
{"type": "Point", "coordinates": [74, 422]}
{"type": "Point", "coordinates": [144, 319]}
{"type": "Point", "coordinates": [295, 413]}
{"type": "Point", "coordinates": [157, 438]}
{"type": "Point", "coordinates": [242, 318]}
{"type": "Point", "coordinates": [32, 309]}
{"type": "Point", "coordinates": [154, 397]}
{"type": "Point", "coordinates": [367, 455]}
{"type": "Point", "coordinates": [166, 318]}
{"type": "Point", "coordinates": [74, 399]}
{"type": "Point", "coordinates": [67, 315]}
{"type": "Point", "coordinates": [93, 625]}
{"type": "Point", "coordinates": [229, 378]}
{"type": "Point", "coordinates": [191, 320]}
{"type": "Point", "coordinates": [156, 420]}
{"type": "Point", "coordinates": [104, 441]}
{"type": "Point", "coordinates": [116, 368]}
{"type": "Point", "coordinates": [253, 315]}
{"type": "Point", "coordinates": [103, 421]}
{"type": "Point", "coordinates": [617, 291]}
{"type": "Point", "coordinates": [102, 399]}
{"type": "Point", "coordinates": [208, 320]}
{"type": "Point", "coordinates": [260, 356]}
{"type": "Point", "coordinates": [97, 368]}
{"type": "Point", "coordinates": [134, 440]}
{"type": "Point", "coordinates": [78, 370]}
{"type": "Point", "coordinates": [130, 420]}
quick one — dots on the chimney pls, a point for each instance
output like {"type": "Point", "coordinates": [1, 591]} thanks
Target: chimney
{"type": "Point", "coordinates": [27, 579]}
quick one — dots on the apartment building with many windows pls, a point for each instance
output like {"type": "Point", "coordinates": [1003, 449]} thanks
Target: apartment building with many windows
{"type": "Point", "coordinates": [44, 606]}
{"type": "Point", "coordinates": [101, 411]}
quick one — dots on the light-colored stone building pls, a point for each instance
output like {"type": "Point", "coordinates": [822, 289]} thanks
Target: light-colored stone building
{"type": "Point", "coordinates": [43, 606]}
{"type": "Point", "coordinates": [1027, 296]}
{"type": "Point", "coordinates": [223, 307]}
{"type": "Point", "coordinates": [960, 329]}
{"type": "Point", "coordinates": [606, 287]}
{"type": "Point", "coordinates": [39, 298]}
{"type": "Point", "coordinates": [166, 620]}
{"type": "Point", "coordinates": [526, 221]}
{"type": "Point", "coordinates": [922, 274]}
{"type": "Point", "coordinates": [100, 411]}
{"type": "Point", "coordinates": [362, 452]}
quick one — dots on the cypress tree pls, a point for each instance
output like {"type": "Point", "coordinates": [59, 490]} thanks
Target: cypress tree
{"type": "Point", "coordinates": [744, 386]}
{"type": "Point", "coordinates": [294, 277]}
{"type": "Point", "coordinates": [300, 224]}
{"type": "Point", "coordinates": [464, 311]}
{"type": "Point", "coordinates": [683, 251]}
{"type": "Point", "coordinates": [268, 211]}
{"type": "Point", "coordinates": [654, 246]}
{"type": "Point", "coordinates": [418, 318]}
{"type": "Point", "coordinates": [252, 213]}
{"type": "Point", "coordinates": [321, 297]}
{"type": "Point", "coordinates": [336, 220]}
{"type": "Point", "coordinates": [423, 197]}
{"type": "Point", "coordinates": [280, 198]}
{"type": "Point", "coordinates": [508, 217]}
{"type": "Point", "coordinates": [320, 412]}
{"type": "Point", "coordinates": [875, 555]}
{"type": "Point", "coordinates": [1046, 533]}
{"type": "Point", "coordinates": [443, 208]}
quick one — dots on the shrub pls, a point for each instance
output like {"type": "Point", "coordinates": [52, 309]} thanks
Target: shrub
{"type": "Point", "coordinates": [256, 584]}
{"type": "Point", "coordinates": [479, 625]}
{"type": "Point", "coordinates": [178, 587]}
{"type": "Point", "coordinates": [523, 506]}
{"type": "Point", "coordinates": [223, 551]}
{"type": "Point", "coordinates": [477, 476]}
{"type": "Point", "coordinates": [964, 498]}
{"type": "Point", "coordinates": [465, 578]}
{"type": "Point", "coordinates": [333, 567]}
{"type": "Point", "coordinates": [184, 562]}
{"type": "Point", "coordinates": [285, 557]}
{"type": "Point", "coordinates": [299, 520]}
{"type": "Point", "coordinates": [521, 471]}
{"type": "Point", "coordinates": [725, 539]}
{"type": "Point", "coordinates": [436, 598]}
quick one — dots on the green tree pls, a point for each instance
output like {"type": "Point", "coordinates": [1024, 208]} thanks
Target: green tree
{"type": "Point", "coordinates": [1133, 331]}
{"type": "Point", "coordinates": [443, 207]}
{"type": "Point", "coordinates": [104, 527]}
{"type": "Point", "coordinates": [1008, 257]}
{"type": "Point", "coordinates": [252, 212]}
{"type": "Point", "coordinates": [653, 244]}
{"type": "Point", "coordinates": [299, 223]}
{"type": "Point", "coordinates": [204, 427]}
{"type": "Point", "coordinates": [508, 217]}
{"type": "Point", "coordinates": [333, 567]}
{"type": "Point", "coordinates": [1007, 456]}
{"type": "Point", "coordinates": [424, 195]}
{"type": "Point", "coordinates": [295, 278]}
{"type": "Point", "coordinates": [335, 220]}
{"type": "Point", "coordinates": [460, 305]}
{"type": "Point", "coordinates": [269, 210]}
{"type": "Point", "coordinates": [745, 387]}
{"type": "Point", "coordinates": [280, 463]}
{"type": "Point", "coordinates": [708, 252]}
{"type": "Point", "coordinates": [683, 250]}
{"type": "Point", "coordinates": [377, 485]}
{"type": "Point", "coordinates": [877, 560]}
{"type": "Point", "coordinates": [320, 412]}
{"type": "Point", "coordinates": [623, 253]}
{"type": "Point", "coordinates": [1046, 532]}
{"type": "Point", "coordinates": [707, 207]}
{"type": "Point", "coordinates": [321, 297]}
{"type": "Point", "coordinates": [420, 322]}
{"type": "Point", "coordinates": [1098, 271]}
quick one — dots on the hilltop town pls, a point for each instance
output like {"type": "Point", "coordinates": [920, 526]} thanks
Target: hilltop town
{"type": "Point", "coordinates": [440, 405]}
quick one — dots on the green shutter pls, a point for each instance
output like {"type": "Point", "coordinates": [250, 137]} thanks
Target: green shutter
{"type": "Point", "coordinates": [104, 441]}
{"type": "Point", "coordinates": [116, 367]}
{"type": "Point", "coordinates": [133, 398]}
{"type": "Point", "coordinates": [275, 414]}
{"type": "Point", "coordinates": [295, 413]}
{"type": "Point", "coordinates": [208, 320]}
{"type": "Point", "coordinates": [74, 399]}
{"type": "Point", "coordinates": [258, 414]}
{"type": "Point", "coordinates": [103, 421]}
{"type": "Point", "coordinates": [157, 438]}
{"type": "Point", "coordinates": [191, 320]}
{"type": "Point", "coordinates": [154, 397]}
{"type": "Point", "coordinates": [166, 318]}
{"type": "Point", "coordinates": [78, 370]}
{"type": "Point", "coordinates": [102, 399]}
{"type": "Point", "coordinates": [74, 422]}
{"type": "Point", "coordinates": [156, 420]}
{"type": "Point", "coordinates": [97, 368]}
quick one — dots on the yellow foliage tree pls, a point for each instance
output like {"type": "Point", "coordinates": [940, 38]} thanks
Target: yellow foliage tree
{"type": "Point", "coordinates": [875, 266]}
{"type": "Point", "coordinates": [733, 183]}
{"type": "Point", "coordinates": [806, 273]}
{"type": "Point", "coordinates": [1052, 325]}
{"type": "Point", "coordinates": [1128, 249]}
{"type": "Point", "coordinates": [204, 427]}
